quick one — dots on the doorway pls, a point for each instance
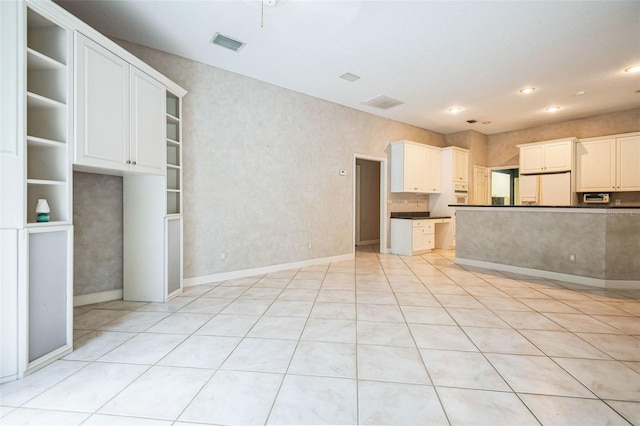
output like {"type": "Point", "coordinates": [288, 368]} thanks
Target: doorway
{"type": "Point", "coordinates": [370, 201]}
{"type": "Point", "coordinates": [505, 186]}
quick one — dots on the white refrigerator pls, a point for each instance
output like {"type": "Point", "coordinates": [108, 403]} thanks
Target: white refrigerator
{"type": "Point", "coordinates": [546, 190]}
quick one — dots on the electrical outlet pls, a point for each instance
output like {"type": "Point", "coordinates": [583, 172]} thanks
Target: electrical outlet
{"type": "Point", "coordinates": [223, 255]}
{"type": "Point", "coordinates": [572, 257]}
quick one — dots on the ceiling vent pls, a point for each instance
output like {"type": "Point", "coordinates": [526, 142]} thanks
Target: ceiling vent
{"type": "Point", "coordinates": [350, 77]}
{"type": "Point", "coordinates": [227, 42]}
{"type": "Point", "coordinates": [382, 102]}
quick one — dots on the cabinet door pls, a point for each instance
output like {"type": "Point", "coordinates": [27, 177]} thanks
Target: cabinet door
{"type": "Point", "coordinates": [49, 304]}
{"type": "Point", "coordinates": [528, 185]}
{"type": "Point", "coordinates": [415, 168]}
{"type": "Point", "coordinates": [173, 230]}
{"type": "Point", "coordinates": [147, 124]}
{"type": "Point", "coordinates": [460, 167]}
{"type": "Point", "coordinates": [532, 159]}
{"type": "Point", "coordinates": [102, 107]}
{"type": "Point", "coordinates": [420, 240]}
{"type": "Point", "coordinates": [557, 157]}
{"type": "Point", "coordinates": [434, 171]}
{"type": "Point", "coordinates": [628, 162]}
{"type": "Point", "coordinates": [595, 165]}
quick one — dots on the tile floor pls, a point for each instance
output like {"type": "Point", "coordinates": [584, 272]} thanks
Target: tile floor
{"type": "Point", "coordinates": [378, 340]}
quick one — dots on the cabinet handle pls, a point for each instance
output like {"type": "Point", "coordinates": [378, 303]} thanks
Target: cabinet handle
{"type": "Point", "coordinates": [133, 162]}
{"type": "Point", "coordinates": [128, 161]}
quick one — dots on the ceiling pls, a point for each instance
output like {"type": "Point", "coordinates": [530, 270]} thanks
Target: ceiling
{"type": "Point", "coordinates": [432, 55]}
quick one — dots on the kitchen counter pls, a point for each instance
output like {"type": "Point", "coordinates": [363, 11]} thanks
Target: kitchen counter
{"type": "Point", "coordinates": [416, 216]}
{"type": "Point", "coordinates": [588, 245]}
{"type": "Point", "coordinates": [593, 206]}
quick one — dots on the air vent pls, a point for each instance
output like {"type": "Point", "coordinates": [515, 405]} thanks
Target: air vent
{"type": "Point", "coordinates": [227, 42]}
{"type": "Point", "coordinates": [382, 102]}
{"type": "Point", "coordinates": [349, 77]}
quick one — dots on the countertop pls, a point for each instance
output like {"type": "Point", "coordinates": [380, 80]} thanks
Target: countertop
{"type": "Point", "coordinates": [595, 206]}
{"type": "Point", "coordinates": [416, 216]}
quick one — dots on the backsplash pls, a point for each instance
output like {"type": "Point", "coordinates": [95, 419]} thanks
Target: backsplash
{"type": "Point", "coordinates": [406, 202]}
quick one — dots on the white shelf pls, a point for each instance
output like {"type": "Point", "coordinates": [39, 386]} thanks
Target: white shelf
{"type": "Point", "coordinates": [38, 101]}
{"type": "Point", "coordinates": [39, 61]}
{"type": "Point", "coordinates": [34, 140]}
{"type": "Point", "coordinates": [173, 166]}
{"type": "Point", "coordinates": [172, 119]}
{"type": "Point", "coordinates": [45, 182]}
{"type": "Point", "coordinates": [173, 142]}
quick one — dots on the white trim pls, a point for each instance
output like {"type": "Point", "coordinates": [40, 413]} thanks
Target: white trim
{"type": "Point", "coordinates": [243, 273]}
{"type": "Point", "coordinates": [102, 296]}
{"type": "Point", "coordinates": [384, 218]}
{"type": "Point", "coordinates": [576, 279]}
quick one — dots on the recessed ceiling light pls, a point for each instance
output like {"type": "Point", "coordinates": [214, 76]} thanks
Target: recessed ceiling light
{"type": "Point", "coordinates": [527, 90]}
{"type": "Point", "coordinates": [486, 122]}
{"type": "Point", "coordinates": [581, 93]}
{"type": "Point", "coordinates": [635, 68]}
{"type": "Point", "coordinates": [350, 77]}
{"type": "Point", "coordinates": [552, 109]}
{"type": "Point", "coordinates": [454, 110]}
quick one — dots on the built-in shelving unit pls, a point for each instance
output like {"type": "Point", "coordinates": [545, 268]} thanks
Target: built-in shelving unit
{"type": "Point", "coordinates": [174, 155]}
{"type": "Point", "coordinates": [47, 112]}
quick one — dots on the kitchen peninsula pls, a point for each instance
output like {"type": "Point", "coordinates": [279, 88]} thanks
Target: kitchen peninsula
{"type": "Point", "coordinates": [597, 246]}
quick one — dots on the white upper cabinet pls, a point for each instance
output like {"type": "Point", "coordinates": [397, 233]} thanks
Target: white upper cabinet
{"type": "Point", "coordinates": [102, 107]}
{"type": "Point", "coordinates": [415, 168]}
{"type": "Point", "coordinates": [148, 149]}
{"type": "Point", "coordinates": [119, 113]}
{"type": "Point", "coordinates": [460, 165]}
{"type": "Point", "coordinates": [547, 157]}
{"type": "Point", "coordinates": [608, 164]}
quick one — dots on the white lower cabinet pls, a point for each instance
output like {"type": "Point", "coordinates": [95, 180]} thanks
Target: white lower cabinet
{"type": "Point", "coordinates": [46, 292]}
{"type": "Point", "coordinates": [173, 260]}
{"type": "Point", "coordinates": [410, 237]}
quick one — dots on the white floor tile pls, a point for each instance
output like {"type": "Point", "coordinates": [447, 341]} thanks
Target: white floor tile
{"type": "Point", "coordinates": [479, 407]}
{"type": "Point", "coordinates": [391, 364]}
{"type": "Point", "coordinates": [261, 355]}
{"type": "Point", "coordinates": [201, 352]}
{"type": "Point", "coordinates": [229, 325]}
{"type": "Point", "coordinates": [93, 345]}
{"type": "Point", "coordinates": [462, 370]}
{"type": "Point", "coordinates": [18, 392]}
{"type": "Point", "coordinates": [380, 333]}
{"type": "Point", "coordinates": [441, 337]}
{"type": "Point", "coordinates": [134, 321]}
{"type": "Point", "coordinates": [324, 359]}
{"type": "Point", "coordinates": [167, 391]}
{"type": "Point", "coordinates": [88, 389]}
{"type": "Point", "coordinates": [315, 400]}
{"type": "Point", "coordinates": [145, 348]}
{"type": "Point", "coordinates": [108, 420]}
{"type": "Point", "coordinates": [32, 416]}
{"type": "Point", "coordinates": [234, 397]}
{"type": "Point", "coordinates": [278, 328]}
{"type": "Point", "coordinates": [562, 411]}
{"type": "Point", "coordinates": [330, 330]}
{"type": "Point", "coordinates": [180, 323]}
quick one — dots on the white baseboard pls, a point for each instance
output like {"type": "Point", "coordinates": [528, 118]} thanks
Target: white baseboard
{"type": "Point", "coordinates": [206, 279]}
{"type": "Point", "coordinates": [103, 296]}
{"type": "Point", "coordinates": [368, 242]}
{"type": "Point", "coordinates": [575, 279]}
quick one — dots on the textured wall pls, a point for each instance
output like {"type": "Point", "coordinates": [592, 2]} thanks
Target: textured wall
{"type": "Point", "coordinates": [476, 143]}
{"type": "Point", "coordinates": [502, 150]}
{"type": "Point", "coordinates": [534, 239]}
{"type": "Point", "coordinates": [606, 244]}
{"type": "Point", "coordinates": [261, 167]}
{"type": "Point", "coordinates": [97, 227]}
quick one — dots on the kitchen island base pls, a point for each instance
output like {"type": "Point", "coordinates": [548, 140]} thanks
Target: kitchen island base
{"type": "Point", "coordinates": [598, 247]}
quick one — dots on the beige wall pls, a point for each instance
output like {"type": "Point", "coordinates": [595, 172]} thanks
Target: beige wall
{"type": "Point", "coordinates": [261, 168]}
{"type": "Point", "coordinates": [502, 150]}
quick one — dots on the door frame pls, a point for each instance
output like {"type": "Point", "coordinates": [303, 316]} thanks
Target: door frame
{"type": "Point", "coordinates": [383, 199]}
